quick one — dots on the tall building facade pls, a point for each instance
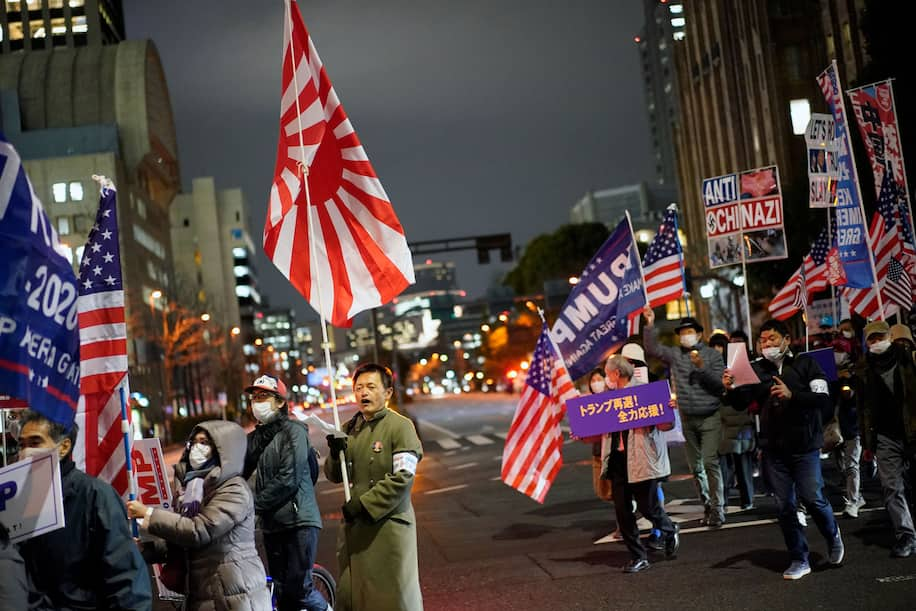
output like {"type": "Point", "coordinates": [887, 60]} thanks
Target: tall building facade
{"type": "Point", "coordinates": [102, 109]}
{"type": "Point", "coordinates": [664, 24]}
{"type": "Point", "coordinates": [42, 24]}
{"type": "Point", "coordinates": [746, 74]}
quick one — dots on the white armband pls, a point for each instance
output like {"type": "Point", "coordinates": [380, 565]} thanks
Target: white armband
{"type": "Point", "coordinates": [404, 461]}
{"type": "Point", "coordinates": [819, 386]}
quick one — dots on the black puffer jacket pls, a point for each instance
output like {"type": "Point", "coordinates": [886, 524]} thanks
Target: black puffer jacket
{"type": "Point", "coordinates": [284, 493]}
{"type": "Point", "coordinates": [794, 426]}
{"type": "Point", "coordinates": [92, 562]}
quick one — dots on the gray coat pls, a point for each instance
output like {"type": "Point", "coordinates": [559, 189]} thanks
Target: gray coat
{"type": "Point", "coordinates": [225, 571]}
{"type": "Point", "coordinates": [698, 389]}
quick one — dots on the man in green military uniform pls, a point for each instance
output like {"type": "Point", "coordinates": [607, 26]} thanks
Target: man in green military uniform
{"type": "Point", "coordinates": [377, 543]}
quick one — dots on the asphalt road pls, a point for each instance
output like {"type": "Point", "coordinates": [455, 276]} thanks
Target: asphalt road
{"type": "Point", "coordinates": [485, 546]}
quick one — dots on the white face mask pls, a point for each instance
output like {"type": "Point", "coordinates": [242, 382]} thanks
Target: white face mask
{"type": "Point", "coordinates": [263, 410]}
{"type": "Point", "coordinates": [847, 334]}
{"type": "Point", "coordinates": [199, 455]}
{"type": "Point", "coordinates": [689, 340]}
{"type": "Point", "coordinates": [598, 386]}
{"type": "Point", "coordinates": [773, 354]}
{"type": "Point", "coordinates": [840, 358]}
{"type": "Point", "coordinates": [880, 347]}
{"type": "Point", "coordinates": [30, 452]}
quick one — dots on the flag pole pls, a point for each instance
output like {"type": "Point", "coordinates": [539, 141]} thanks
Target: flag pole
{"type": "Point", "coordinates": [852, 160]}
{"type": "Point", "coordinates": [642, 275]}
{"type": "Point", "coordinates": [303, 166]}
{"type": "Point", "coordinates": [125, 429]}
{"type": "Point", "coordinates": [833, 299]}
{"type": "Point", "coordinates": [682, 264]}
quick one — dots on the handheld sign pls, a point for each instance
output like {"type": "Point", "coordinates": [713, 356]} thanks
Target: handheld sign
{"type": "Point", "coordinates": [824, 358]}
{"type": "Point", "coordinates": [740, 366]}
{"type": "Point", "coordinates": [148, 461]}
{"type": "Point", "coordinates": [31, 500]}
{"type": "Point", "coordinates": [621, 409]}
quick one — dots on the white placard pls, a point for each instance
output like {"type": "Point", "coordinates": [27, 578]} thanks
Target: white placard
{"type": "Point", "coordinates": [151, 473]}
{"type": "Point", "coordinates": [740, 366]}
{"type": "Point", "coordinates": [31, 499]}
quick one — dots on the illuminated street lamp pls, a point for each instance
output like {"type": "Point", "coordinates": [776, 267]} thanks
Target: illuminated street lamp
{"type": "Point", "coordinates": [205, 317]}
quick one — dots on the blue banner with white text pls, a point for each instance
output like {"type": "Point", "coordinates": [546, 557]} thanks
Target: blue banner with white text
{"type": "Point", "coordinates": [595, 318]}
{"type": "Point", "coordinates": [852, 238]}
{"type": "Point", "coordinates": [39, 335]}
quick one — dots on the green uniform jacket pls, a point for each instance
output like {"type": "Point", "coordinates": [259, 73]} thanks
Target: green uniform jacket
{"type": "Point", "coordinates": [377, 552]}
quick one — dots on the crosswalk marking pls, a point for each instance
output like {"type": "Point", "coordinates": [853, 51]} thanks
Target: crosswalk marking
{"type": "Point", "coordinates": [466, 465]}
{"type": "Point", "coordinates": [448, 444]}
{"type": "Point", "coordinates": [479, 440]}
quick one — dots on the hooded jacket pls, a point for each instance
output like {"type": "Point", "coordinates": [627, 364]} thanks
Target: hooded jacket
{"type": "Point", "coordinates": [224, 569]}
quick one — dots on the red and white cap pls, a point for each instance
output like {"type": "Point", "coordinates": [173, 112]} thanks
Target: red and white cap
{"type": "Point", "coordinates": [268, 382]}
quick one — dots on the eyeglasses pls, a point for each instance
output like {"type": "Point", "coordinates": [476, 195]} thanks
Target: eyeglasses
{"type": "Point", "coordinates": [259, 395]}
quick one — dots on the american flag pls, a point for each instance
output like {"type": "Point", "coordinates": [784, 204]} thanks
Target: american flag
{"type": "Point", "coordinates": [663, 263]}
{"type": "Point", "coordinates": [346, 252]}
{"type": "Point", "coordinates": [103, 350]}
{"type": "Point", "coordinates": [809, 278]}
{"type": "Point", "coordinates": [889, 237]}
{"type": "Point", "coordinates": [532, 458]}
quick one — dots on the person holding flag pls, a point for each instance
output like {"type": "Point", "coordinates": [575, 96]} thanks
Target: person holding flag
{"type": "Point", "coordinates": [697, 371]}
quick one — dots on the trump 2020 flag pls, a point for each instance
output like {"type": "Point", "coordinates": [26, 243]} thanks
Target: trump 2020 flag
{"type": "Point", "coordinates": [330, 227]}
{"type": "Point", "coordinates": [598, 314]}
{"type": "Point", "coordinates": [532, 457]}
{"type": "Point", "coordinates": [103, 349]}
{"type": "Point", "coordinates": [39, 340]}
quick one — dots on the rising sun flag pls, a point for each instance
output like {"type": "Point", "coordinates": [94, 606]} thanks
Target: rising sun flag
{"type": "Point", "coordinates": [330, 228]}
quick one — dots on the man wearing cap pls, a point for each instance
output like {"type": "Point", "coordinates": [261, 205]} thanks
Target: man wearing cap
{"type": "Point", "coordinates": [697, 372]}
{"type": "Point", "coordinates": [278, 451]}
{"type": "Point", "coordinates": [887, 419]}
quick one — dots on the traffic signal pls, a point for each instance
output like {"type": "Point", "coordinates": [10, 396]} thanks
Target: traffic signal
{"type": "Point", "coordinates": [501, 241]}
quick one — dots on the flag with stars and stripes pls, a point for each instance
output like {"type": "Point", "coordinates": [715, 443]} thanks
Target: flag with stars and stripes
{"type": "Point", "coordinates": [103, 350]}
{"type": "Point", "coordinates": [808, 279]}
{"type": "Point", "coordinates": [532, 457]}
{"type": "Point", "coordinates": [663, 264]}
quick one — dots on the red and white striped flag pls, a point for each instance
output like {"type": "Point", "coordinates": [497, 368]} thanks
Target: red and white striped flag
{"type": "Point", "coordinates": [808, 279]}
{"type": "Point", "coordinates": [664, 262]}
{"type": "Point", "coordinates": [532, 457]}
{"type": "Point", "coordinates": [103, 350]}
{"type": "Point", "coordinates": [356, 257]}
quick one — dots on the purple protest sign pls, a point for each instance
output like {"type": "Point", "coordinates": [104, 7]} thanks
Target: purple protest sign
{"type": "Point", "coordinates": [618, 410]}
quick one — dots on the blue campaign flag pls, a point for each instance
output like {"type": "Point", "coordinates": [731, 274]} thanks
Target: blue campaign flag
{"type": "Point", "coordinates": [595, 319]}
{"type": "Point", "coordinates": [39, 335]}
{"type": "Point", "coordinates": [852, 238]}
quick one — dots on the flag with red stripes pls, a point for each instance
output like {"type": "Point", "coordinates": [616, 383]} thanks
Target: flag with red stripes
{"type": "Point", "coordinates": [103, 350]}
{"type": "Point", "coordinates": [532, 457]}
{"type": "Point", "coordinates": [808, 279]}
{"type": "Point", "coordinates": [330, 228]}
{"type": "Point", "coordinates": [663, 264]}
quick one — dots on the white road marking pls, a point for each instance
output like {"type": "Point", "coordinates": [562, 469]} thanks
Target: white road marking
{"type": "Point", "coordinates": [448, 444]}
{"type": "Point", "coordinates": [895, 578]}
{"type": "Point", "coordinates": [479, 440]}
{"type": "Point", "coordinates": [449, 489]}
{"type": "Point", "coordinates": [439, 429]}
{"type": "Point", "coordinates": [466, 465]}
{"type": "Point", "coordinates": [501, 435]}
{"type": "Point", "coordinates": [498, 478]}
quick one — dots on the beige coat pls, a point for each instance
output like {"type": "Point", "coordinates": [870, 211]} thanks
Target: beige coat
{"type": "Point", "coordinates": [377, 553]}
{"type": "Point", "coordinates": [225, 571]}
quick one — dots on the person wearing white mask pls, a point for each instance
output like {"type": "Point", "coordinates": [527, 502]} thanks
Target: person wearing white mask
{"type": "Point", "coordinates": [793, 401]}
{"type": "Point", "coordinates": [887, 421]}
{"type": "Point", "coordinates": [92, 562]}
{"type": "Point", "coordinates": [209, 533]}
{"type": "Point", "coordinates": [697, 372]}
{"type": "Point", "coordinates": [280, 453]}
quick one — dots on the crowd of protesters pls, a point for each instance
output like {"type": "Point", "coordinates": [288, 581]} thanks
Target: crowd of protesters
{"type": "Point", "coordinates": [780, 427]}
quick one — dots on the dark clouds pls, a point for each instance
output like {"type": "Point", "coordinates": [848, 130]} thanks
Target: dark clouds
{"type": "Point", "coordinates": [479, 116]}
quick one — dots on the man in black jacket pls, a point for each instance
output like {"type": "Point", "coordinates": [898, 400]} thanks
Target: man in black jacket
{"type": "Point", "coordinates": [793, 399]}
{"type": "Point", "coordinates": [92, 562]}
{"type": "Point", "coordinates": [887, 412]}
{"type": "Point", "coordinates": [284, 500]}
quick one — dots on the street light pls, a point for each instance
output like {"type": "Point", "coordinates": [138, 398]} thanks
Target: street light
{"type": "Point", "coordinates": [205, 317]}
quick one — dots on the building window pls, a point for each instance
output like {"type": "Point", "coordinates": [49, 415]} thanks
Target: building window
{"type": "Point", "coordinates": [59, 189]}
{"type": "Point", "coordinates": [76, 191]}
{"type": "Point", "coordinates": [141, 208]}
{"type": "Point", "coordinates": [831, 47]}
{"type": "Point", "coordinates": [238, 216]}
{"type": "Point", "coordinates": [187, 222]}
{"type": "Point", "coordinates": [63, 225]}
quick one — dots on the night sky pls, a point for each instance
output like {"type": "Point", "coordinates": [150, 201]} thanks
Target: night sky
{"type": "Point", "coordinates": [480, 117]}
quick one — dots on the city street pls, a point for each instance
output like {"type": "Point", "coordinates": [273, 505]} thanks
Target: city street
{"type": "Point", "coordinates": [485, 546]}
